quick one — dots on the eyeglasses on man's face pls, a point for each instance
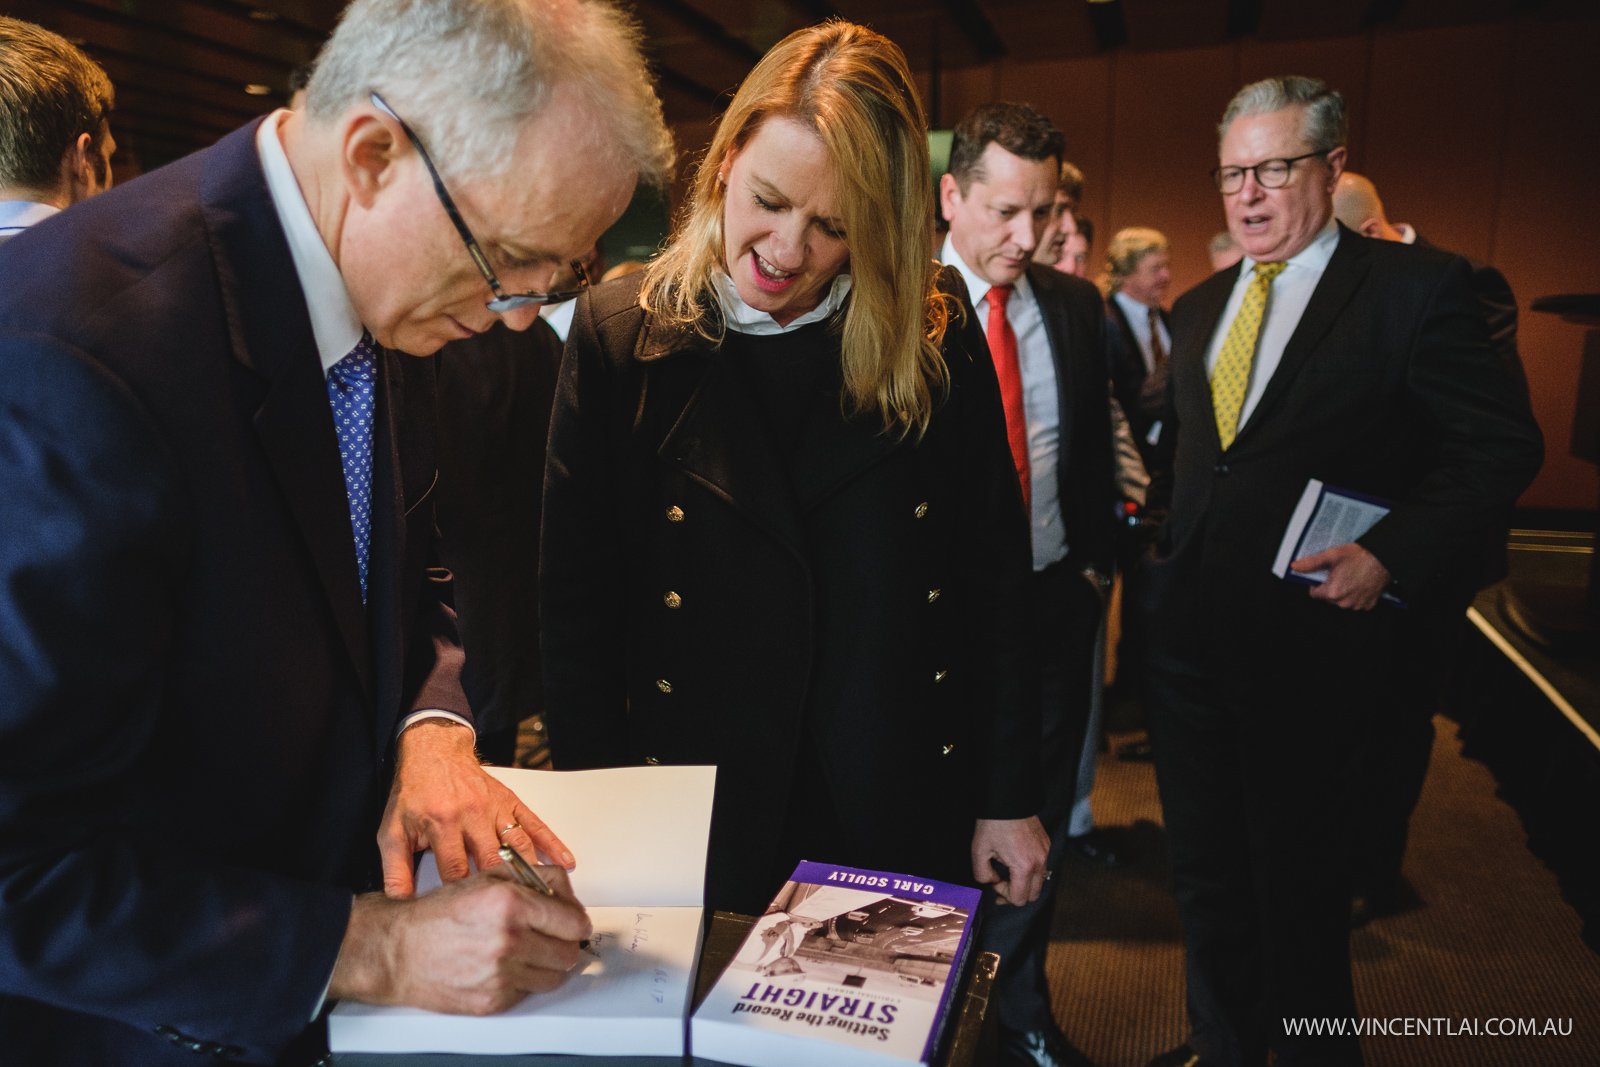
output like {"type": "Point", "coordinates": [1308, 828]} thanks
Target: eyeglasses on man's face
{"type": "Point", "coordinates": [503, 301]}
{"type": "Point", "coordinates": [1270, 173]}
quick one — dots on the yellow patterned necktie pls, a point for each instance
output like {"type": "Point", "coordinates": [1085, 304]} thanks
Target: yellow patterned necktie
{"type": "Point", "coordinates": [1230, 378]}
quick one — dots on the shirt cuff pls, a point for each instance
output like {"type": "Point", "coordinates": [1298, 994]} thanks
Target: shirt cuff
{"type": "Point", "coordinates": [432, 713]}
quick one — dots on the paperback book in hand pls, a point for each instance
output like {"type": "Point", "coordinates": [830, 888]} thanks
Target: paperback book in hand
{"type": "Point", "coordinates": [846, 967]}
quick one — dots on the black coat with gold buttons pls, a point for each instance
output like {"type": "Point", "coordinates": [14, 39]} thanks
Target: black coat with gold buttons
{"type": "Point", "coordinates": [704, 599]}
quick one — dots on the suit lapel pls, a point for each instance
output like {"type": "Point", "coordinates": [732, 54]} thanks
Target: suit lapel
{"type": "Point", "coordinates": [1189, 348]}
{"type": "Point", "coordinates": [1343, 276]}
{"type": "Point", "coordinates": [271, 334]}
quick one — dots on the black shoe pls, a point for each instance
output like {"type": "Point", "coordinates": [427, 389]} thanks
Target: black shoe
{"type": "Point", "coordinates": [1135, 752]}
{"type": "Point", "coordinates": [1182, 1056]}
{"type": "Point", "coordinates": [1040, 1048]}
{"type": "Point", "coordinates": [1093, 847]}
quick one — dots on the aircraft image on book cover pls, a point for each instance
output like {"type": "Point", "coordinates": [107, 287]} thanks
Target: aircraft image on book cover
{"type": "Point", "coordinates": [857, 939]}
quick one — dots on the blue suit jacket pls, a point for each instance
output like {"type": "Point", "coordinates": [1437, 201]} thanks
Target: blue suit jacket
{"type": "Point", "coordinates": [196, 709]}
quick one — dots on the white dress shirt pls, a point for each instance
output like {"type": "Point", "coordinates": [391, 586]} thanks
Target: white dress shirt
{"type": "Point", "coordinates": [1041, 404]}
{"type": "Point", "coordinates": [559, 317]}
{"type": "Point", "coordinates": [18, 215]}
{"type": "Point", "coordinates": [1138, 316]}
{"type": "Point", "coordinates": [335, 326]}
{"type": "Point", "coordinates": [742, 318]}
{"type": "Point", "coordinates": [1291, 292]}
{"type": "Point", "coordinates": [1408, 234]}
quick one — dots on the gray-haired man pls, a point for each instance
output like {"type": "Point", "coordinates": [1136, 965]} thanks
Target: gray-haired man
{"type": "Point", "coordinates": [232, 706]}
{"type": "Point", "coordinates": [55, 142]}
{"type": "Point", "coordinates": [1364, 364]}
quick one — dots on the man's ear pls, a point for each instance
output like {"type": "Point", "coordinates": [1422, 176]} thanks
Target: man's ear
{"type": "Point", "coordinates": [1371, 228]}
{"type": "Point", "coordinates": [370, 144]}
{"type": "Point", "coordinates": [1338, 160]}
{"type": "Point", "coordinates": [78, 175]}
{"type": "Point", "coordinates": [949, 195]}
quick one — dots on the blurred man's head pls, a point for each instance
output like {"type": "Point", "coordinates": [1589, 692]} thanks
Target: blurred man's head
{"type": "Point", "coordinates": [1281, 152]}
{"type": "Point", "coordinates": [1075, 249]}
{"type": "Point", "coordinates": [1138, 265]}
{"type": "Point", "coordinates": [1225, 251]}
{"type": "Point", "coordinates": [55, 142]}
{"type": "Point", "coordinates": [1356, 204]}
{"type": "Point", "coordinates": [1069, 192]}
{"type": "Point", "coordinates": [540, 118]}
{"type": "Point", "coordinates": [1000, 192]}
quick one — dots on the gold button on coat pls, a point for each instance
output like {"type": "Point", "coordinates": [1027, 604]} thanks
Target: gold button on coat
{"type": "Point", "coordinates": [652, 761]}
{"type": "Point", "coordinates": [946, 750]}
{"type": "Point", "coordinates": [933, 594]}
{"type": "Point", "coordinates": [663, 685]}
{"type": "Point", "coordinates": [674, 514]}
{"type": "Point", "coordinates": [938, 676]}
{"type": "Point", "coordinates": [922, 509]}
{"type": "Point", "coordinates": [672, 600]}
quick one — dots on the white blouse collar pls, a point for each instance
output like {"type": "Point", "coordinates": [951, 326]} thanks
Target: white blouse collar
{"type": "Point", "coordinates": [742, 318]}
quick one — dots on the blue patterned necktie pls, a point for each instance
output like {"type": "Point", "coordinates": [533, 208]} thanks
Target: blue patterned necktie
{"type": "Point", "coordinates": [350, 387]}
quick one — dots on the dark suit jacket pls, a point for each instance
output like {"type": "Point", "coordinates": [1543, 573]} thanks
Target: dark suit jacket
{"type": "Point", "coordinates": [1499, 306]}
{"type": "Point", "coordinates": [495, 395]}
{"type": "Point", "coordinates": [1388, 386]}
{"type": "Point", "coordinates": [1075, 322]}
{"type": "Point", "coordinates": [197, 713]}
{"type": "Point", "coordinates": [875, 590]}
{"type": "Point", "coordinates": [1143, 395]}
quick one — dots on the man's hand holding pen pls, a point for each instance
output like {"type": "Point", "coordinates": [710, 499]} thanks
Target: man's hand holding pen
{"type": "Point", "coordinates": [474, 946]}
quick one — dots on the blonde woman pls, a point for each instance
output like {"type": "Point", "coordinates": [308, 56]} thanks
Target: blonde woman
{"type": "Point", "coordinates": [782, 530]}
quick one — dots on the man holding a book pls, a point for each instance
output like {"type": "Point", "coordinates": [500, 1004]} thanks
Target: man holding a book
{"type": "Point", "coordinates": [1364, 365]}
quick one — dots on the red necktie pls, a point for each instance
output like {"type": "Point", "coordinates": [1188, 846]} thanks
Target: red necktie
{"type": "Point", "coordinates": [1003, 349]}
{"type": "Point", "coordinates": [1158, 354]}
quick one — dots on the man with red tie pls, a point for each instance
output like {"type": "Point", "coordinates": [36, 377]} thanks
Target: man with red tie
{"type": "Point", "coordinates": [1047, 335]}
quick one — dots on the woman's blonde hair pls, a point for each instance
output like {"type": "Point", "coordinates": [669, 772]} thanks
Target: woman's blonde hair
{"type": "Point", "coordinates": [1128, 249]}
{"type": "Point", "coordinates": [852, 88]}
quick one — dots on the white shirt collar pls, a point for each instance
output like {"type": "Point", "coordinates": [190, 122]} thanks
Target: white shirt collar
{"type": "Point", "coordinates": [20, 214]}
{"type": "Point", "coordinates": [1130, 306]}
{"type": "Point", "coordinates": [742, 318]}
{"type": "Point", "coordinates": [1313, 256]}
{"type": "Point", "coordinates": [1408, 235]}
{"type": "Point", "coordinates": [559, 317]}
{"type": "Point", "coordinates": [977, 288]}
{"type": "Point", "coordinates": [334, 322]}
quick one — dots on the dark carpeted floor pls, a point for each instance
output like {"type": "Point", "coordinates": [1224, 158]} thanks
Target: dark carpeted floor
{"type": "Point", "coordinates": [1487, 934]}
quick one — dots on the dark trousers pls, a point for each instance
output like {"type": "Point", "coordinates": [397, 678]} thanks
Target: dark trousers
{"type": "Point", "coordinates": [1257, 768]}
{"type": "Point", "coordinates": [1067, 616]}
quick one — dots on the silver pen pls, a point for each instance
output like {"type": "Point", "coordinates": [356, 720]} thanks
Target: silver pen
{"type": "Point", "coordinates": [525, 875]}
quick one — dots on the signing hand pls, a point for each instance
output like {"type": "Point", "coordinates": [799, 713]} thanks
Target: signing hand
{"type": "Point", "coordinates": [474, 947]}
{"type": "Point", "coordinates": [1356, 579]}
{"type": "Point", "coordinates": [443, 800]}
{"type": "Point", "coordinates": [1020, 844]}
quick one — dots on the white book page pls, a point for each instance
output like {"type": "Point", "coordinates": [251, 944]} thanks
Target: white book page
{"type": "Point", "coordinates": [639, 833]}
{"type": "Point", "coordinates": [631, 1001]}
{"type": "Point", "coordinates": [1297, 524]}
{"type": "Point", "coordinates": [1339, 520]}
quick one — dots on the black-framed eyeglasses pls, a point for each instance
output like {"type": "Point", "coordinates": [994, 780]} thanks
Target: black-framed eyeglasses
{"type": "Point", "coordinates": [503, 301]}
{"type": "Point", "coordinates": [1270, 173]}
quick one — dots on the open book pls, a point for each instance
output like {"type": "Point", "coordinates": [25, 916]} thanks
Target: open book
{"type": "Point", "coordinates": [848, 968]}
{"type": "Point", "coordinates": [1325, 518]}
{"type": "Point", "coordinates": [640, 836]}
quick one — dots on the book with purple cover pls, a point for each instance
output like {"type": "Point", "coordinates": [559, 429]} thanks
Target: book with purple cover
{"type": "Point", "coordinates": [848, 967]}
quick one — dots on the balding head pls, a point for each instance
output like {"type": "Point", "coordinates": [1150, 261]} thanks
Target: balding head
{"type": "Point", "coordinates": [1356, 204]}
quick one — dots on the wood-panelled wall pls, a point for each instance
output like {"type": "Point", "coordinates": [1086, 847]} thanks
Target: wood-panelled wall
{"type": "Point", "coordinates": [1486, 138]}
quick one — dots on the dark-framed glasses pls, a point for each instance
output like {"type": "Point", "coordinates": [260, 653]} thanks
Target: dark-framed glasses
{"type": "Point", "coordinates": [503, 301]}
{"type": "Point", "coordinates": [1270, 173]}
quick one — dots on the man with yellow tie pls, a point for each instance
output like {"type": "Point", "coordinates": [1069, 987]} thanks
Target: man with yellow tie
{"type": "Point", "coordinates": [1365, 364]}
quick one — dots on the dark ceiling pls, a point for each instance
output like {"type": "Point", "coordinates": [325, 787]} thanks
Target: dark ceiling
{"type": "Point", "coordinates": [188, 71]}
